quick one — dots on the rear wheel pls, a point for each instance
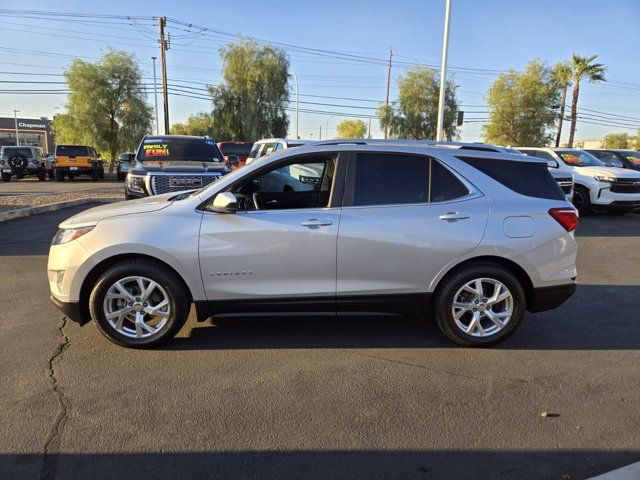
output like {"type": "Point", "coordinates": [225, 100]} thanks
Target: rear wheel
{"type": "Point", "coordinates": [480, 305]}
{"type": "Point", "coordinates": [139, 304]}
{"type": "Point", "coordinates": [95, 175]}
{"type": "Point", "coordinates": [42, 176]}
{"type": "Point", "coordinates": [6, 177]}
{"type": "Point", "coordinates": [582, 201]}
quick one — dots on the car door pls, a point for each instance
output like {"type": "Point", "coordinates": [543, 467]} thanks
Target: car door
{"type": "Point", "coordinates": [277, 253]}
{"type": "Point", "coordinates": [404, 218]}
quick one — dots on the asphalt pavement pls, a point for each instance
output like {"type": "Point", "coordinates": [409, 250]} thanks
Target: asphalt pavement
{"type": "Point", "coordinates": [31, 185]}
{"type": "Point", "coordinates": [346, 398]}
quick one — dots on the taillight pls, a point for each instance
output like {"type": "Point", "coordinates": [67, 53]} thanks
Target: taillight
{"type": "Point", "coordinates": [565, 216]}
{"type": "Point", "coordinates": [1, 162]}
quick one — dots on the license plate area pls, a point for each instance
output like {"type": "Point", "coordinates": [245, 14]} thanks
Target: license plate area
{"type": "Point", "coordinates": [73, 168]}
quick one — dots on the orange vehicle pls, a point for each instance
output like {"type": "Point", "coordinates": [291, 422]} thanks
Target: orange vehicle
{"type": "Point", "coordinates": [74, 160]}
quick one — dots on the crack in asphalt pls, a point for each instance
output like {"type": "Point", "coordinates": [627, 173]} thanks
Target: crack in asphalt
{"type": "Point", "coordinates": [52, 442]}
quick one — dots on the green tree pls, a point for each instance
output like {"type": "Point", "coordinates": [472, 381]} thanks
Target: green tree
{"type": "Point", "coordinates": [351, 129]}
{"type": "Point", "coordinates": [563, 74]}
{"type": "Point", "coordinates": [416, 114]}
{"type": "Point", "coordinates": [521, 107]}
{"type": "Point", "coordinates": [107, 106]}
{"type": "Point", "coordinates": [250, 103]}
{"type": "Point", "coordinates": [618, 140]}
{"type": "Point", "coordinates": [583, 68]}
{"type": "Point", "coordinates": [199, 124]}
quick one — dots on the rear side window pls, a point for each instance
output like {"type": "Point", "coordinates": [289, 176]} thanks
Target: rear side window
{"type": "Point", "coordinates": [237, 149]}
{"type": "Point", "coordinates": [387, 179]}
{"type": "Point", "coordinates": [22, 151]}
{"type": "Point", "coordinates": [526, 178]}
{"type": "Point", "coordinates": [444, 185]}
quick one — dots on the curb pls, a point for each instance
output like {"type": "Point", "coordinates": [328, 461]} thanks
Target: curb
{"type": "Point", "coordinates": [52, 207]}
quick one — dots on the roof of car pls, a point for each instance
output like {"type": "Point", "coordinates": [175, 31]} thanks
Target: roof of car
{"type": "Point", "coordinates": [287, 140]}
{"type": "Point", "coordinates": [186, 137]}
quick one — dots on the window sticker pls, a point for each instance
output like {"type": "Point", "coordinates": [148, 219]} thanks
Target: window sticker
{"type": "Point", "coordinates": [634, 159]}
{"type": "Point", "coordinates": [570, 158]}
{"type": "Point", "coordinates": [156, 150]}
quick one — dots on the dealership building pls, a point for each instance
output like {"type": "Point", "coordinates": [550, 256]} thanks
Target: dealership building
{"type": "Point", "coordinates": [31, 131]}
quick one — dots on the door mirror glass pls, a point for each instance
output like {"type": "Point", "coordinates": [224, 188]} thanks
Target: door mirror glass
{"type": "Point", "coordinates": [553, 163]}
{"type": "Point", "coordinates": [233, 160]}
{"type": "Point", "coordinates": [225, 202]}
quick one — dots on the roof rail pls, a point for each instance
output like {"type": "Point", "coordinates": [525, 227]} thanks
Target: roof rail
{"type": "Point", "coordinates": [380, 141]}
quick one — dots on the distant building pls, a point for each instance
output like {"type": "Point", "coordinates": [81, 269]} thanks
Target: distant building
{"type": "Point", "coordinates": [587, 144]}
{"type": "Point", "coordinates": [31, 131]}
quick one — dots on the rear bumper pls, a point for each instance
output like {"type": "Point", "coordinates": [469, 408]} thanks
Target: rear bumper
{"type": "Point", "coordinates": [71, 310]}
{"type": "Point", "coordinates": [78, 169]}
{"type": "Point", "coordinates": [548, 298]}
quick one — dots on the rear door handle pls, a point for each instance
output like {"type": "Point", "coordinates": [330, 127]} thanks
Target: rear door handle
{"type": "Point", "coordinates": [454, 216]}
{"type": "Point", "coordinates": [316, 222]}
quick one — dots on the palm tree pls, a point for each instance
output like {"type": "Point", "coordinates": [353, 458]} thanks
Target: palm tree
{"type": "Point", "coordinates": [563, 74]}
{"type": "Point", "coordinates": [583, 67]}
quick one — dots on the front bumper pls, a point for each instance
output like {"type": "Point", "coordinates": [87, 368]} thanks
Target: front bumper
{"type": "Point", "coordinates": [605, 198]}
{"type": "Point", "coordinates": [548, 298]}
{"type": "Point", "coordinates": [71, 310]}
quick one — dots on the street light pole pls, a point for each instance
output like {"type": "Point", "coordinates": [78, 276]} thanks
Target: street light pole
{"type": "Point", "coordinates": [443, 71]}
{"type": "Point", "coordinates": [155, 94]}
{"type": "Point", "coordinates": [326, 127]}
{"type": "Point", "coordinates": [295, 78]}
{"type": "Point", "coordinates": [15, 117]}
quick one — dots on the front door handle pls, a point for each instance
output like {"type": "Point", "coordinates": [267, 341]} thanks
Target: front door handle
{"type": "Point", "coordinates": [316, 222]}
{"type": "Point", "coordinates": [454, 216]}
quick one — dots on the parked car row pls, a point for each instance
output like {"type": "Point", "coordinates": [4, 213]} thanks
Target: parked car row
{"type": "Point", "coordinates": [68, 161]}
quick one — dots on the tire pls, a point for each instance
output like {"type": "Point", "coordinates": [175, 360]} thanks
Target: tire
{"type": "Point", "coordinates": [50, 174]}
{"type": "Point", "coordinates": [95, 175]}
{"type": "Point", "coordinates": [169, 287]}
{"type": "Point", "coordinates": [101, 173]}
{"type": "Point", "coordinates": [6, 177]}
{"type": "Point", "coordinates": [582, 201]}
{"type": "Point", "coordinates": [121, 175]}
{"type": "Point", "coordinates": [452, 288]}
{"type": "Point", "coordinates": [59, 176]}
{"type": "Point", "coordinates": [21, 176]}
{"type": "Point", "coordinates": [42, 176]}
{"type": "Point", "coordinates": [619, 212]}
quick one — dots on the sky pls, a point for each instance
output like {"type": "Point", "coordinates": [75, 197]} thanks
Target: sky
{"type": "Point", "coordinates": [348, 78]}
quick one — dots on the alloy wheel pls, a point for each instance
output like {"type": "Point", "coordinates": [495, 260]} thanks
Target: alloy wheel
{"type": "Point", "coordinates": [137, 307]}
{"type": "Point", "coordinates": [482, 307]}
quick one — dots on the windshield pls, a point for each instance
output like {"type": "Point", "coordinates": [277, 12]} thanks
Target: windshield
{"type": "Point", "coordinates": [579, 158]}
{"type": "Point", "coordinates": [72, 151]}
{"type": "Point", "coordinates": [179, 149]}
{"type": "Point", "coordinates": [632, 155]}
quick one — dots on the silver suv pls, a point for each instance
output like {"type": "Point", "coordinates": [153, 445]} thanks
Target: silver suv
{"type": "Point", "coordinates": [472, 238]}
{"type": "Point", "coordinates": [22, 161]}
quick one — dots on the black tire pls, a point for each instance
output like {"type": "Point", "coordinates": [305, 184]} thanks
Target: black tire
{"type": "Point", "coordinates": [582, 201]}
{"type": "Point", "coordinates": [444, 297]}
{"type": "Point", "coordinates": [50, 174]}
{"type": "Point", "coordinates": [619, 212]}
{"type": "Point", "coordinates": [101, 173]}
{"type": "Point", "coordinates": [59, 176]}
{"type": "Point", "coordinates": [121, 175]}
{"type": "Point", "coordinates": [177, 295]}
{"type": "Point", "coordinates": [95, 175]}
{"type": "Point", "coordinates": [42, 176]}
{"type": "Point", "coordinates": [21, 176]}
{"type": "Point", "coordinates": [17, 161]}
{"type": "Point", "coordinates": [6, 177]}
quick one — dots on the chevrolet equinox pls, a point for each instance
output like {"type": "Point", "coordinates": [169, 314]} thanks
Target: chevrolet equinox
{"type": "Point", "coordinates": [470, 237]}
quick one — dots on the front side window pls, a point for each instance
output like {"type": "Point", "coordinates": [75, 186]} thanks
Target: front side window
{"type": "Point", "coordinates": [579, 158]}
{"type": "Point", "coordinates": [611, 160]}
{"type": "Point", "coordinates": [388, 179]}
{"type": "Point", "coordinates": [293, 186]}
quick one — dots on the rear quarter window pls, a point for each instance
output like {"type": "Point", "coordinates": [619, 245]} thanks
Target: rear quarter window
{"type": "Point", "coordinates": [526, 178]}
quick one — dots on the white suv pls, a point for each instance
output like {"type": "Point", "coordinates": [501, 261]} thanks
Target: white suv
{"type": "Point", "coordinates": [597, 186]}
{"type": "Point", "coordinates": [473, 238]}
{"type": "Point", "coordinates": [267, 146]}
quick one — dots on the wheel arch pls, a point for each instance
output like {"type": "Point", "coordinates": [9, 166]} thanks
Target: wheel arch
{"type": "Point", "coordinates": [511, 266]}
{"type": "Point", "coordinates": [93, 275]}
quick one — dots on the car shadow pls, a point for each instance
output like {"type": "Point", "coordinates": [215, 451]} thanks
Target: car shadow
{"type": "Point", "coordinates": [602, 224]}
{"type": "Point", "coordinates": [479, 464]}
{"type": "Point", "coordinates": [597, 317]}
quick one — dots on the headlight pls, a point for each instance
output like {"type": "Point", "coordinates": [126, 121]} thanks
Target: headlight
{"type": "Point", "coordinates": [135, 183]}
{"type": "Point", "coordinates": [605, 179]}
{"type": "Point", "coordinates": [65, 235]}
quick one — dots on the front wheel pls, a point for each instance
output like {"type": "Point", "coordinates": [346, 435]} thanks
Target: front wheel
{"type": "Point", "coordinates": [582, 201]}
{"type": "Point", "coordinates": [480, 306]}
{"type": "Point", "coordinates": [139, 304]}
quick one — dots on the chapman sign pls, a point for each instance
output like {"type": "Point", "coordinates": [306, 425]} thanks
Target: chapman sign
{"type": "Point", "coordinates": [32, 131]}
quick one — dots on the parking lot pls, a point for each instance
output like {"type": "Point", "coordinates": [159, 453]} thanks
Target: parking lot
{"type": "Point", "coordinates": [344, 398]}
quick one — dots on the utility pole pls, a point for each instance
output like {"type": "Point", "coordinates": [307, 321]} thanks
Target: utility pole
{"type": "Point", "coordinates": [320, 136]}
{"type": "Point", "coordinates": [443, 71]}
{"type": "Point", "coordinates": [155, 94]}
{"type": "Point", "coordinates": [15, 118]}
{"type": "Point", "coordinates": [386, 128]}
{"type": "Point", "coordinates": [164, 46]}
{"type": "Point", "coordinates": [369, 130]}
{"type": "Point", "coordinates": [295, 78]}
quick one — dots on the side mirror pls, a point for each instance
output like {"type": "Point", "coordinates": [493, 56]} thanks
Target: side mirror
{"type": "Point", "coordinates": [225, 202]}
{"type": "Point", "coordinates": [553, 164]}
{"type": "Point", "coordinates": [233, 160]}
